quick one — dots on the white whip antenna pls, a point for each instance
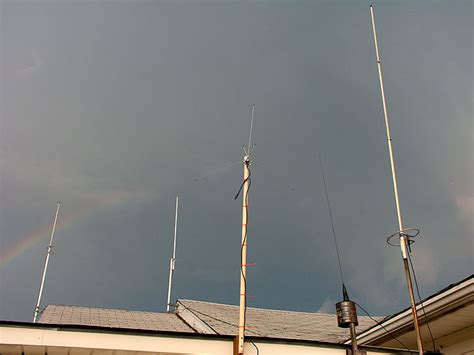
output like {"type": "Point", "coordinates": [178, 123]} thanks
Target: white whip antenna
{"type": "Point", "coordinates": [251, 128]}
{"type": "Point", "coordinates": [173, 258]}
{"type": "Point", "coordinates": [404, 238]}
{"type": "Point", "coordinates": [48, 253]}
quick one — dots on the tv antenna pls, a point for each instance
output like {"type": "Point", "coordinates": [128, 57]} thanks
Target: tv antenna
{"type": "Point", "coordinates": [405, 235]}
{"type": "Point", "coordinates": [173, 258]}
{"type": "Point", "coordinates": [46, 262]}
{"type": "Point", "coordinates": [244, 188]}
{"type": "Point", "coordinates": [346, 309]}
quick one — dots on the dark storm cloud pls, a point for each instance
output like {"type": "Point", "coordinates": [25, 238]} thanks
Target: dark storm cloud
{"type": "Point", "coordinates": [116, 107]}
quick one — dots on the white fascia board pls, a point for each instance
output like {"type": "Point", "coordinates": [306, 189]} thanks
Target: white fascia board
{"type": "Point", "coordinates": [172, 345]}
{"type": "Point", "coordinates": [434, 307]}
{"type": "Point", "coordinates": [156, 343]}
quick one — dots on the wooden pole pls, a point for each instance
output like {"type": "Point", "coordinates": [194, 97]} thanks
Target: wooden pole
{"type": "Point", "coordinates": [243, 259]}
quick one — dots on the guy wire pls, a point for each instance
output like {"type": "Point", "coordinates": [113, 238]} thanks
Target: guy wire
{"type": "Point", "coordinates": [332, 222]}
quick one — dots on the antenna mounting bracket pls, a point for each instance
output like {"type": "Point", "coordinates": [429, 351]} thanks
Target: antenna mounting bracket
{"type": "Point", "coordinates": [409, 233]}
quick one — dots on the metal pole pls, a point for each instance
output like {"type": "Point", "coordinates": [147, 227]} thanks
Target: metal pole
{"type": "Point", "coordinates": [403, 238]}
{"type": "Point", "coordinates": [48, 253]}
{"type": "Point", "coordinates": [353, 339]}
{"type": "Point", "coordinates": [173, 258]}
{"type": "Point", "coordinates": [251, 128]}
{"type": "Point", "coordinates": [243, 260]}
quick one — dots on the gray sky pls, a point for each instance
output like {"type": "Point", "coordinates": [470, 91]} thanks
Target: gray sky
{"type": "Point", "coordinates": [114, 107]}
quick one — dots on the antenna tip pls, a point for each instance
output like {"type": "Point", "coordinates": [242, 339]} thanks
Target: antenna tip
{"type": "Point", "coordinates": [371, 6]}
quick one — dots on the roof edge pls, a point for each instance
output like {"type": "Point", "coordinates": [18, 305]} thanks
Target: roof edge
{"type": "Point", "coordinates": [192, 320]}
{"type": "Point", "coordinates": [435, 305]}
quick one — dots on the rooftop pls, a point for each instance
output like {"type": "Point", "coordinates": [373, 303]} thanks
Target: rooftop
{"type": "Point", "coordinates": [113, 318]}
{"type": "Point", "coordinates": [224, 319]}
{"type": "Point", "coordinates": [208, 318]}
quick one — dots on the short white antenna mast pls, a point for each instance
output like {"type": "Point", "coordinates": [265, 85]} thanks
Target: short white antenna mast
{"type": "Point", "coordinates": [48, 253]}
{"type": "Point", "coordinates": [404, 238]}
{"type": "Point", "coordinates": [173, 258]}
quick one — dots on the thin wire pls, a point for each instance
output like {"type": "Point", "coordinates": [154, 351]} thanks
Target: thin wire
{"type": "Point", "coordinates": [421, 303]}
{"type": "Point", "coordinates": [204, 314]}
{"type": "Point", "coordinates": [256, 347]}
{"type": "Point", "coordinates": [332, 223]}
{"type": "Point", "coordinates": [218, 170]}
{"type": "Point", "coordinates": [217, 319]}
{"type": "Point", "coordinates": [381, 325]}
{"type": "Point", "coordinates": [222, 321]}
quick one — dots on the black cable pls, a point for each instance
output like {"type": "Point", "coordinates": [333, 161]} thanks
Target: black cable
{"type": "Point", "coordinates": [223, 321]}
{"type": "Point", "coordinates": [332, 223]}
{"type": "Point", "coordinates": [217, 319]}
{"type": "Point", "coordinates": [422, 306]}
{"type": "Point", "coordinates": [256, 347]}
{"type": "Point", "coordinates": [243, 183]}
{"type": "Point", "coordinates": [381, 325]}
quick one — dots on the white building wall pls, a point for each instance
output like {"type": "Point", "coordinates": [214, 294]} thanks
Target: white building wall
{"type": "Point", "coordinates": [34, 341]}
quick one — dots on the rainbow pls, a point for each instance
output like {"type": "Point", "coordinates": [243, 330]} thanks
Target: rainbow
{"type": "Point", "coordinates": [107, 200]}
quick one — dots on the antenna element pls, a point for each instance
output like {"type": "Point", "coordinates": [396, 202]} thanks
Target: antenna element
{"type": "Point", "coordinates": [46, 262]}
{"type": "Point", "coordinates": [173, 258]}
{"type": "Point", "coordinates": [332, 222]}
{"type": "Point", "coordinates": [345, 310]}
{"type": "Point", "coordinates": [251, 128]}
{"type": "Point", "coordinates": [239, 340]}
{"type": "Point", "coordinates": [403, 237]}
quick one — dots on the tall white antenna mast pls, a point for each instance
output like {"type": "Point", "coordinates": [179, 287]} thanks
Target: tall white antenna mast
{"type": "Point", "coordinates": [173, 258]}
{"type": "Point", "coordinates": [239, 341]}
{"type": "Point", "coordinates": [48, 253]}
{"type": "Point", "coordinates": [402, 233]}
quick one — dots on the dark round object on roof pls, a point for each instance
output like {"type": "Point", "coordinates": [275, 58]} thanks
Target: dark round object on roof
{"type": "Point", "coordinates": [346, 314]}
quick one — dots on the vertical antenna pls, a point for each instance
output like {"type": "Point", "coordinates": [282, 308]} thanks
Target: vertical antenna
{"type": "Point", "coordinates": [48, 253]}
{"type": "Point", "coordinates": [239, 341]}
{"type": "Point", "coordinates": [332, 222]}
{"type": "Point", "coordinates": [345, 310]}
{"type": "Point", "coordinates": [173, 258]}
{"type": "Point", "coordinates": [403, 237]}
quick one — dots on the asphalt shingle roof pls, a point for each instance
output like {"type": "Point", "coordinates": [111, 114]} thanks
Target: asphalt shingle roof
{"type": "Point", "coordinates": [114, 318]}
{"type": "Point", "coordinates": [221, 318]}
{"type": "Point", "coordinates": [224, 320]}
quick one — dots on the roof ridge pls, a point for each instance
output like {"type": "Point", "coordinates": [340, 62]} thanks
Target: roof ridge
{"type": "Point", "coordinates": [104, 308]}
{"type": "Point", "coordinates": [264, 309]}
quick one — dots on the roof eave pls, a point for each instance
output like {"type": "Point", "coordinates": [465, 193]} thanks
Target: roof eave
{"type": "Point", "coordinates": [434, 307]}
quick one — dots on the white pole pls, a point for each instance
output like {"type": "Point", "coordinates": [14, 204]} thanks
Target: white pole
{"type": "Point", "coordinates": [251, 128]}
{"type": "Point", "coordinates": [48, 253]}
{"type": "Point", "coordinates": [243, 260]}
{"type": "Point", "coordinates": [173, 258]}
{"type": "Point", "coordinates": [403, 238]}
{"type": "Point", "coordinates": [239, 341]}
